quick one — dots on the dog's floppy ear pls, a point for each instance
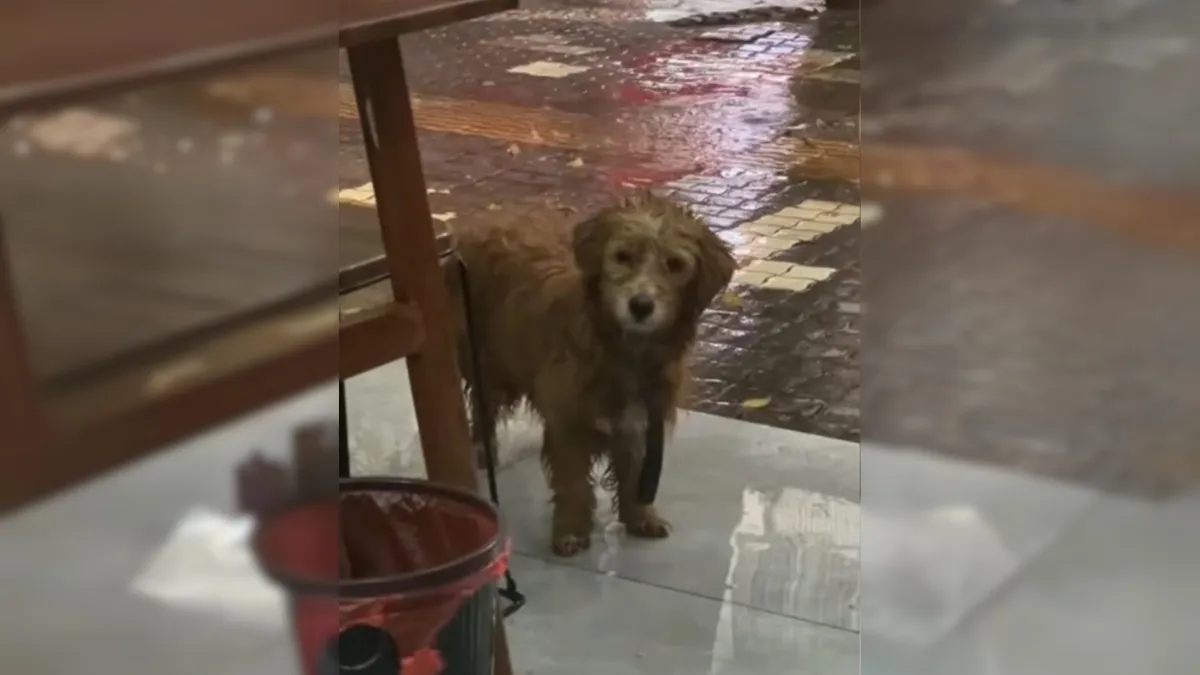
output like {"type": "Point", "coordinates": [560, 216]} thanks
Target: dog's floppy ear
{"type": "Point", "coordinates": [714, 269]}
{"type": "Point", "coordinates": [588, 241]}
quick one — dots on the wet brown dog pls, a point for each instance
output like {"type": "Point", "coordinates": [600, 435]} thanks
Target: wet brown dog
{"type": "Point", "coordinates": [586, 326]}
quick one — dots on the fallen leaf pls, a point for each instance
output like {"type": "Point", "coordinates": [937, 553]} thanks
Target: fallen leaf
{"type": "Point", "coordinates": [537, 138]}
{"type": "Point", "coordinates": [756, 403]}
{"type": "Point", "coordinates": [514, 149]}
{"type": "Point", "coordinates": [445, 217]}
{"type": "Point", "coordinates": [731, 301]}
{"type": "Point", "coordinates": [575, 163]}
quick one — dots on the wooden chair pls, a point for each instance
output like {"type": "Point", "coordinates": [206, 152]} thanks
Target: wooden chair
{"type": "Point", "coordinates": [59, 424]}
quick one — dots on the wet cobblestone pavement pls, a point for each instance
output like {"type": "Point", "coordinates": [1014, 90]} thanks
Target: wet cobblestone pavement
{"type": "Point", "coordinates": [745, 111]}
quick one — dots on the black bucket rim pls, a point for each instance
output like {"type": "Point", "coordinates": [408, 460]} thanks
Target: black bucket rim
{"type": "Point", "coordinates": [416, 583]}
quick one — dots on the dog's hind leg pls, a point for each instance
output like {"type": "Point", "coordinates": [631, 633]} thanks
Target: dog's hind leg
{"type": "Point", "coordinates": [567, 458]}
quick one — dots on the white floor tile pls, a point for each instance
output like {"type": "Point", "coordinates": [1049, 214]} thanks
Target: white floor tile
{"type": "Point", "coordinates": [1117, 594]}
{"type": "Point", "coordinates": [763, 517]}
{"type": "Point", "coordinates": [939, 536]}
{"type": "Point", "coordinates": [582, 623]}
{"type": "Point", "coordinates": [68, 563]}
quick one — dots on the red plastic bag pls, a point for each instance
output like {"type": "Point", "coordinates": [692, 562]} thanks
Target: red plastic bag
{"type": "Point", "coordinates": [396, 556]}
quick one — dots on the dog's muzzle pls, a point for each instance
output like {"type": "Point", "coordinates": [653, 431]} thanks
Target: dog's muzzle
{"type": "Point", "coordinates": [641, 307]}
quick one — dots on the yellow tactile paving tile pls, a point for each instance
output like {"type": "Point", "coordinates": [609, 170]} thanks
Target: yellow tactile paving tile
{"type": "Point", "coordinates": [497, 121]}
{"type": "Point", "coordinates": [293, 95]}
{"type": "Point", "coordinates": [759, 239]}
{"type": "Point", "coordinates": [793, 284]}
{"type": "Point", "coordinates": [781, 276]}
{"type": "Point", "coordinates": [306, 97]}
{"type": "Point", "coordinates": [289, 94]}
{"type": "Point", "coordinates": [363, 195]}
{"type": "Point", "coordinates": [813, 159]}
{"type": "Point", "coordinates": [804, 222]}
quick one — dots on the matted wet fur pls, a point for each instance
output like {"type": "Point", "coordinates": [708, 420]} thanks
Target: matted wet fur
{"type": "Point", "coordinates": [584, 324]}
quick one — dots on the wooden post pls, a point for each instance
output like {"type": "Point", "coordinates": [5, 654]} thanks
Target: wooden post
{"type": "Point", "coordinates": [20, 416]}
{"type": "Point", "coordinates": [390, 137]}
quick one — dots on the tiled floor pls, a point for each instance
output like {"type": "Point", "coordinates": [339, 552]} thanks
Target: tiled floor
{"type": "Point", "coordinates": [962, 566]}
{"type": "Point", "coordinates": [584, 623]}
{"type": "Point", "coordinates": [965, 569]}
{"type": "Point", "coordinates": [1115, 594]}
{"type": "Point", "coordinates": [764, 518]}
{"type": "Point", "coordinates": [760, 573]}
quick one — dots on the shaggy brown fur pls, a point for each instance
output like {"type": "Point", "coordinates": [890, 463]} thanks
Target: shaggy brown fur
{"type": "Point", "coordinates": [585, 327]}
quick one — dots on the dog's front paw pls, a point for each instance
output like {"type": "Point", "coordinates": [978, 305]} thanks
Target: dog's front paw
{"type": "Point", "coordinates": [571, 529]}
{"type": "Point", "coordinates": [645, 523]}
{"type": "Point", "coordinates": [567, 544]}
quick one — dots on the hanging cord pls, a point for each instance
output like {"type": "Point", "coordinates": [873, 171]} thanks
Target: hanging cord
{"type": "Point", "coordinates": [482, 418]}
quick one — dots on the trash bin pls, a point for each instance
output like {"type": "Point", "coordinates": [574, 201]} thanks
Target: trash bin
{"type": "Point", "coordinates": [398, 576]}
{"type": "Point", "coordinates": [466, 642]}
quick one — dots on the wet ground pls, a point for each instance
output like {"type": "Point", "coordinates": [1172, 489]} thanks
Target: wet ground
{"type": "Point", "coordinates": [745, 111]}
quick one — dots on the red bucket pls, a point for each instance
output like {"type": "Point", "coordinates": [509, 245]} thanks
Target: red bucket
{"type": "Point", "coordinates": [375, 576]}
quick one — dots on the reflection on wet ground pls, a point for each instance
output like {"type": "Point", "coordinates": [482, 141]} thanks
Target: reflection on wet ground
{"type": "Point", "coordinates": [740, 110]}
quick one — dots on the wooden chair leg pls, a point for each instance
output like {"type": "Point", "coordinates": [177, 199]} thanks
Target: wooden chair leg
{"type": "Point", "coordinates": [20, 422]}
{"type": "Point", "coordinates": [501, 660]}
{"type": "Point", "coordinates": [390, 136]}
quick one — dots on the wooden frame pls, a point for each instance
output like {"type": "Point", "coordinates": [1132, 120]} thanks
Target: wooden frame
{"type": "Point", "coordinates": [389, 133]}
{"type": "Point", "coordinates": [20, 418]}
{"type": "Point", "coordinates": [53, 437]}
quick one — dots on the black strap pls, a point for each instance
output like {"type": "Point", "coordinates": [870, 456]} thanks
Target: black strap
{"type": "Point", "coordinates": [652, 462]}
{"type": "Point", "coordinates": [483, 419]}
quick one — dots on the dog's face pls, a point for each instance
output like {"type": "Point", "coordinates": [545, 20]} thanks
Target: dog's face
{"type": "Point", "coordinates": [653, 262]}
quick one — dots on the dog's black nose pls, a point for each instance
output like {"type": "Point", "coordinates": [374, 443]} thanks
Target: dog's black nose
{"type": "Point", "coordinates": [641, 306]}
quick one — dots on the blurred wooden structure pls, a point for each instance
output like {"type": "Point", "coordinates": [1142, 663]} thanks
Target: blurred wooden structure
{"type": "Point", "coordinates": [152, 290]}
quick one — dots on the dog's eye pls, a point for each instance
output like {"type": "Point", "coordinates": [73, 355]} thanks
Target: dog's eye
{"type": "Point", "coordinates": [623, 257]}
{"type": "Point", "coordinates": [675, 265]}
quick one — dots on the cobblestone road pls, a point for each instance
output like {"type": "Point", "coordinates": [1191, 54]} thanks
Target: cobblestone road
{"type": "Point", "coordinates": [753, 122]}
